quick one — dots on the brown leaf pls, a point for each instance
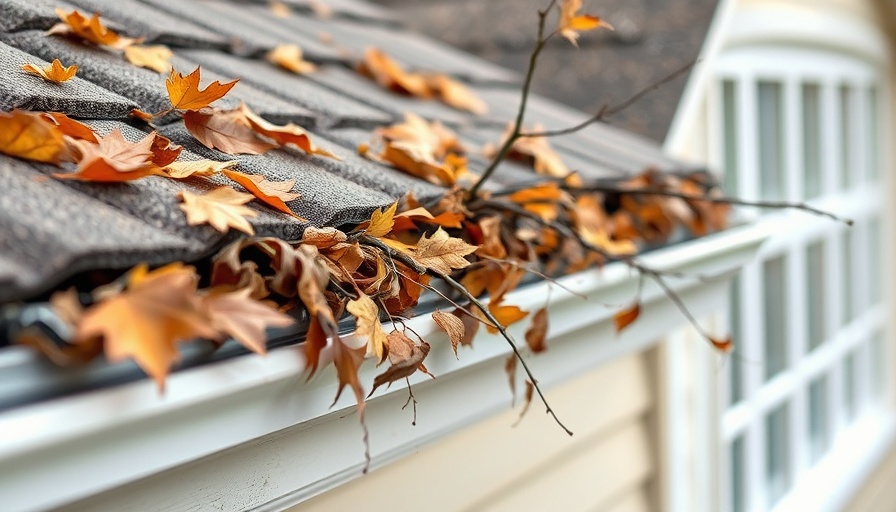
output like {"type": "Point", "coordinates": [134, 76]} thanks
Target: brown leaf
{"type": "Point", "coordinates": [70, 127]}
{"type": "Point", "coordinates": [536, 150]}
{"type": "Point", "coordinates": [442, 253]}
{"type": "Point", "coordinates": [283, 135]}
{"type": "Point", "coordinates": [238, 315]}
{"type": "Point", "coordinates": [91, 30]}
{"type": "Point", "coordinates": [31, 136]}
{"type": "Point", "coordinates": [348, 361]}
{"type": "Point", "coordinates": [185, 93]}
{"type": "Point", "coordinates": [272, 193]}
{"type": "Point", "coordinates": [537, 333]}
{"type": "Point", "coordinates": [409, 220]}
{"type": "Point", "coordinates": [55, 72]}
{"type": "Point", "coordinates": [163, 151]}
{"type": "Point", "coordinates": [114, 159]}
{"type": "Point", "coordinates": [406, 358]}
{"type": "Point", "coordinates": [289, 57]}
{"type": "Point", "coordinates": [471, 326]}
{"type": "Point", "coordinates": [725, 345]}
{"type": "Point", "coordinates": [571, 22]}
{"type": "Point", "coordinates": [185, 169]}
{"type": "Point", "coordinates": [221, 208]}
{"type": "Point", "coordinates": [455, 94]}
{"type": "Point", "coordinates": [155, 57]}
{"type": "Point", "coordinates": [381, 221]}
{"type": "Point", "coordinates": [453, 326]}
{"type": "Point", "coordinates": [510, 369]}
{"type": "Point", "coordinates": [323, 238]}
{"type": "Point", "coordinates": [624, 317]}
{"type": "Point", "coordinates": [227, 131]}
{"type": "Point", "coordinates": [147, 320]}
{"type": "Point", "coordinates": [367, 325]}
{"type": "Point", "coordinates": [391, 76]}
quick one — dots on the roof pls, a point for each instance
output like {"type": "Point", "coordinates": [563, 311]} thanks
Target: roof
{"type": "Point", "coordinates": [651, 40]}
{"type": "Point", "coordinates": [53, 231]}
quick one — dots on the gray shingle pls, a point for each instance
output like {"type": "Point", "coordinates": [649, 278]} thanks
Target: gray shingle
{"type": "Point", "coordinates": [143, 86]}
{"type": "Point", "coordinates": [76, 97]}
{"type": "Point", "coordinates": [155, 25]}
{"type": "Point", "coordinates": [29, 14]}
{"type": "Point", "coordinates": [350, 9]}
{"type": "Point", "coordinates": [336, 110]}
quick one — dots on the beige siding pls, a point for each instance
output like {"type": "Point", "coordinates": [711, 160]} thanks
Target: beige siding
{"type": "Point", "coordinates": [491, 466]}
{"type": "Point", "coordinates": [879, 492]}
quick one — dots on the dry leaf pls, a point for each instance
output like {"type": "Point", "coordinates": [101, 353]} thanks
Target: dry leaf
{"type": "Point", "coordinates": [272, 193]}
{"type": "Point", "coordinates": [725, 345]}
{"type": "Point", "coordinates": [163, 151]}
{"type": "Point", "coordinates": [55, 72]}
{"type": "Point", "coordinates": [279, 9]}
{"type": "Point", "coordinates": [367, 325]}
{"type": "Point", "coordinates": [442, 253]}
{"type": "Point", "coordinates": [536, 150]}
{"type": "Point", "coordinates": [221, 208]}
{"type": "Point", "coordinates": [323, 238]}
{"type": "Point", "coordinates": [91, 30]}
{"type": "Point", "coordinates": [471, 326]}
{"type": "Point", "coordinates": [571, 22]}
{"type": "Point", "coordinates": [31, 136]}
{"type": "Point", "coordinates": [114, 159]}
{"type": "Point", "coordinates": [537, 333]}
{"type": "Point", "coordinates": [184, 169]}
{"type": "Point", "coordinates": [226, 131]}
{"type": "Point", "coordinates": [283, 135]}
{"type": "Point", "coordinates": [510, 365]}
{"type": "Point", "coordinates": [455, 94]}
{"type": "Point", "coordinates": [238, 315]}
{"type": "Point", "coordinates": [185, 93]}
{"type": "Point", "coordinates": [146, 321]}
{"type": "Point", "coordinates": [289, 57]}
{"type": "Point", "coordinates": [70, 127]}
{"type": "Point", "coordinates": [624, 317]}
{"type": "Point", "coordinates": [155, 57]}
{"type": "Point", "coordinates": [381, 221]}
{"type": "Point", "coordinates": [505, 315]}
{"type": "Point", "coordinates": [409, 220]}
{"type": "Point", "coordinates": [406, 358]}
{"type": "Point", "coordinates": [453, 326]}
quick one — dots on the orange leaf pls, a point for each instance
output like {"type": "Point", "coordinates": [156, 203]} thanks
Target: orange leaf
{"type": "Point", "coordinates": [163, 151]}
{"type": "Point", "coordinates": [114, 159]}
{"type": "Point", "coordinates": [283, 135]}
{"type": "Point", "coordinates": [723, 344]}
{"type": "Point", "coordinates": [367, 325]}
{"type": "Point", "coordinates": [272, 193]}
{"type": "Point", "coordinates": [70, 127]}
{"type": "Point", "coordinates": [243, 318]}
{"type": "Point", "coordinates": [455, 94]}
{"type": "Point", "coordinates": [31, 136]}
{"type": "Point", "coordinates": [185, 169]}
{"type": "Point", "coordinates": [571, 22]}
{"type": "Point", "coordinates": [406, 358]}
{"type": "Point", "coordinates": [227, 131]}
{"type": "Point", "coordinates": [442, 253]}
{"type": "Point", "coordinates": [505, 315]}
{"type": "Point", "coordinates": [624, 317]}
{"type": "Point", "coordinates": [289, 57]}
{"type": "Point", "coordinates": [145, 322]}
{"type": "Point", "coordinates": [538, 331]}
{"type": "Point", "coordinates": [185, 93]}
{"type": "Point", "coordinates": [156, 57]}
{"type": "Point", "coordinates": [221, 208]}
{"type": "Point", "coordinates": [381, 221]}
{"type": "Point", "coordinates": [408, 220]}
{"type": "Point", "coordinates": [390, 75]}
{"type": "Point", "coordinates": [452, 325]}
{"type": "Point", "coordinates": [55, 72]}
{"type": "Point", "coordinates": [91, 30]}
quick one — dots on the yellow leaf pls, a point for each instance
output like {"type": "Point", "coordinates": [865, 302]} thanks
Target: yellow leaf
{"type": "Point", "coordinates": [367, 317]}
{"type": "Point", "coordinates": [156, 57]}
{"type": "Point", "coordinates": [289, 57]}
{"type": "Point", "coordinates": [571, 22]}
{"type": "Point", "coordinates": [221, 208]}
{"type": "Point", "coordinates": [55, 72]}
{"type": "Point", "coordinates": [30, 136]}
{"type": "Point", "coordinates": [185, 93]}
{"type": "Point", "coordinates": [381, 221]}
{"type": "Point", "coordinates": [182, 169]}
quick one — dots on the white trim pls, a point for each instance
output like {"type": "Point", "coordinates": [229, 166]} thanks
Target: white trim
{"type": "Point", "coordinates": [57, 452]}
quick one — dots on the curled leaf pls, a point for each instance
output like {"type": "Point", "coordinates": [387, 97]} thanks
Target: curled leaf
{"type": "Point", "coordinates": [367, 325]}
{"type": "Point", "coordinates": [31, 136]}
{"type": "Point", "coordinates": [289, 57]}
{"type": "Point", "coordinates": [272, 193]}
{"type": "Point", "coordinates": [571, 22]}
{"type": "Point", "coordinates": [381, 221]}
{"type": "Point", "coordinates": [55, 72]}
{"type": "Point", "coordinates": [538, 331]}
{"type": "Point", "coordinates": [226, 131]}
{"type": "Point", "coordinates": [624, 317]}
{"type": "Point", "coordinates": [406, 358]}
{"type": "Point", "coordinates": [185, 169]}
{"type": "Point", "coordinates": [453, 326]}
{"type": "Point", "coordinates": [90, 29]}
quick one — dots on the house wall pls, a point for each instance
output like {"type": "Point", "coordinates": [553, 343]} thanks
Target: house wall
{"type": "Point", "coordinates": [608, 465]}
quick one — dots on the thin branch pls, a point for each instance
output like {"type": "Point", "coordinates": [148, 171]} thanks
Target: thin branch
{"type": "Point", "coordinates": [609, 111]}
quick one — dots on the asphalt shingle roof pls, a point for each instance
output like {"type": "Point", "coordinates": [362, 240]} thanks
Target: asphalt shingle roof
{"type": "Point", "coordinates": [51, 230]}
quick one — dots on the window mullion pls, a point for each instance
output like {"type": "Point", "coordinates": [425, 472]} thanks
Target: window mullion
{"type": "Point", "coordinates": [830, 122]}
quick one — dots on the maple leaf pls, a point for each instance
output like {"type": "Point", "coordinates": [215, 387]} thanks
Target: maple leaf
{"type": "Point", "coordinates": [70, 127]}
{"type": "Point", "coordinates": [289, 57]}
{"type": "Point", "coordinates": [146, 321]}
{"type": "Point", "coordinates": [55, 72]}
{"type": "Point", "coordinates": [185, 94]}
{"type": "Point", "coordinates": [91, 30]}
{"type": "Point", "coordinates": [571, 22]}
{"type": "Point", "coordinates": [227, 131]}
{"type": "Point", "coordinates": [238, 315]}
{"type": "Point", "coordinates": [406, 358]}
{"type": "Point", "coordinates": [272, 193]}
{"type": "Point", "coordinates": [221, 208]}
{"type": "Point", "coordinates": [185, 169]}
{"type": "Point", "coordinates": [453, 327]}
{"type": "Point", "coordinates": [31, 136]}
{"type": "Point", "coordinates": [283, 135]}
{"type": "Point", "coordinates": [155, 57]}
{"type": "Point", "coordinates": [624, 317]}
{"type": "Point", "coordinates": [367, 325]}
{"type": "Point", "coordinates": [442, 253]}
{"type": "Point", "coordinates": [381, 221]}
{"type": "Point", "coordinates": [537, 333]}
{"type": "Point", "coordinates": [114, 159]}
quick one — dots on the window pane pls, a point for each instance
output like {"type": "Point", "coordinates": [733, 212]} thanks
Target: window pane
{"type": "Point", "coordinates": [771, 143]}
{"type": "Point", "coordinates": [775, 317]}
{"type": "Point", "coordinates": [735, 370]}
{"type": "Point", "coordinates": [729, 111]}
{"type": "Point", "coordinates": [874, 116]}
{"type": "Point", "coordinates": [848, 285]}
{"type": "Point", "coordinates": [819, 431]}
{"type": "Point", "coordinates": [811, 141]}
{"type": "Point", "coordinates": [777, 465]}
{"type": "Point", "coordinates": [815, 294]}
{"type": "Point", "coordinates": [874, 271]}
{"type": "Point", "coordinates": [738, 491]}
{"type": "Point", "coordinates": [846, 136]}
{"type": "Point", "coordinates": [878, 366]}
{"type": "Point", "coordinates": [850, 400]}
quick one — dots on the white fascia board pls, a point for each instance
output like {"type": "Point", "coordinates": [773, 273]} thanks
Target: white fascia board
{"type": "Point", "coordinates": [64, 450]}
